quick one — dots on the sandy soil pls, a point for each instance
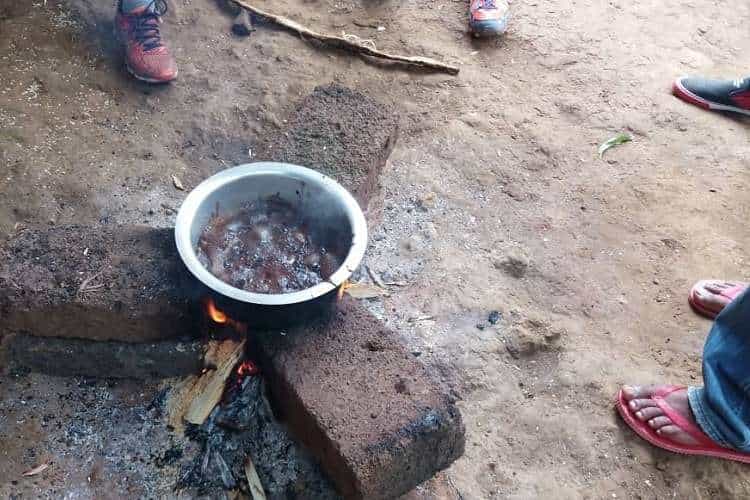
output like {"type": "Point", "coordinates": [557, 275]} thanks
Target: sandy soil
{"type": "Point", "coordinates": [499, 161]}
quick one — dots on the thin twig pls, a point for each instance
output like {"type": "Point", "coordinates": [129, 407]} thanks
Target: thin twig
{"type": "Point", "coordinates": [375, 278]}
{"type": "Point", "coordinates": [85, 287]}
{"type": "Point", "coordinates": [348, 44]}
{"type": "Point", "coordinates": [420, 318]}
{"type": "Point", "coordinates": [397, 283]}
{"type": "Point", "coordinates": [364, 25]}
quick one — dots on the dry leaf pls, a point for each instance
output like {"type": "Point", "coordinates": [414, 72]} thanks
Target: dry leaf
{"type": "Point", "coordinates": [178, 183]}
{"type": "Point", "coordinates": [38, 469]}
{"type": "Point", "coordinates": [364, 291]}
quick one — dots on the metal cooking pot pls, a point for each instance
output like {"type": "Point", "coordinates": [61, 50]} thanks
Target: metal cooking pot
{"type": "Point", "coordinates": [334, 214]}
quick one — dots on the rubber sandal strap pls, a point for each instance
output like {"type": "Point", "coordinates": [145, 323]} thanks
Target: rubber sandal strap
{"type": "Point", "coordinates": [701, 308]}
{"type": "Point", "coordinates": [733, 292]}
{"type": "Point", "coordinates": [677, 419]}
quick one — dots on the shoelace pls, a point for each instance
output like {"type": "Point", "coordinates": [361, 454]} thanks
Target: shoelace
{"type": "Point", "coordinates": [146, 29]}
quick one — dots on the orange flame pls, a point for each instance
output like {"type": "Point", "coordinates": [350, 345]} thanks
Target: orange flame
{"type": "Point", "coordinates": [221, 318]}
{"type": "Point", "coordinates": [342, 289]}
{"type": "Point", "coordinates": [215, 313]}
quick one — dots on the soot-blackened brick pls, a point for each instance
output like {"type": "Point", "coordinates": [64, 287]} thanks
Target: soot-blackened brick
{"type": "Point", "coordinates": [372, 414]}
{"type": "Point", "coordinates": [109, 282]}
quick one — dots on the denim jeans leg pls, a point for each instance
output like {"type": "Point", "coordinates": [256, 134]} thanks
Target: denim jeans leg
{"type": "Point", "coordinates": [722, 406]}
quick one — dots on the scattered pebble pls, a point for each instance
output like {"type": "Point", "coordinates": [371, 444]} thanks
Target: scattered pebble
{"type": "Point", "coordinates": [494, 317]}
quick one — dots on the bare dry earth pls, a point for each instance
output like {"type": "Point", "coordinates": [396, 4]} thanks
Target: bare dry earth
{"type": "Point", "coordinates": [498, 161]}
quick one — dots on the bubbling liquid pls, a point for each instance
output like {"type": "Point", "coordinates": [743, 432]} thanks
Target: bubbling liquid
{"type": "Point", "coordinates": [265, 247]}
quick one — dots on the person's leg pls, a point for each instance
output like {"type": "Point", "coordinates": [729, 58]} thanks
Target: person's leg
{"type": "Point", "coordinates": [721, 409]}
{"type": "Point", "coordinates": [722, 405]}
{"type": "Point", "coordinates": [146, 56]}
{"type": "Point", "coordinates": [718, 95]}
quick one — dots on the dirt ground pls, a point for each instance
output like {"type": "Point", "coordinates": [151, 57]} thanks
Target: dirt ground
{"type": "Point", "coordinates": [499, 161]}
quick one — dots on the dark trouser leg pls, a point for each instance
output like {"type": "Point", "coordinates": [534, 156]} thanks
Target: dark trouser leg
{"type": "Point", "coordinates": [722, 405]}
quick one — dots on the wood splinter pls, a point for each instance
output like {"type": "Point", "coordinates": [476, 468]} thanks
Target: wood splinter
{"type": "Point", "coordinates": [253, 481]}
{"type": "Point", "coordinates": [209, 388]}
{"type": "Point", "coordinates": [350, 43]}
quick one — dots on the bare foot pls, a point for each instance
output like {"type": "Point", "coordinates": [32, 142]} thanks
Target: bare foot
{"type": "Point", "coordinates": [645, 409]}
{"type": "Point", "coordinates": [710, 294]}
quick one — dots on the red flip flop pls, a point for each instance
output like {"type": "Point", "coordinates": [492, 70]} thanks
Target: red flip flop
{"type": "Point", "coordinates": [730, 293]}
{"type": "Point", "coordinates": [706, 447]}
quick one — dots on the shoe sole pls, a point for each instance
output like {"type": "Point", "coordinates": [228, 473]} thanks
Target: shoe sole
{"type": "Point", "coordinates": [489, 28]}
{"type": "Point", "coordinates": [147, 79]}
{"type": "Point", "coordinates": [683, 93]}
{"type": "Point", "coordinates": [130, 70]}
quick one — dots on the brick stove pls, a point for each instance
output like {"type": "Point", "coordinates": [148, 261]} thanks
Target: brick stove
{"type": "Point", "coordinates": [116, 301]}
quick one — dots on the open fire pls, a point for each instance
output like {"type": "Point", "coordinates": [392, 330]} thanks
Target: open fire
{"type": "Point", "coordinates": [245, 367]}
{"type": "Point", "coordinates": [236, 433]}
{"type": "Point", "coordinates": [221, 318]}
{"type": "Point", "coordinates": [217, 315]}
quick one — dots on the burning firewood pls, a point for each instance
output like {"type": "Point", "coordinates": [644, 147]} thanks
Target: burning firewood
{"type": "Point", "coordinates": [210, 386]}
{"type": "Point", "coordinates": [196, 398]}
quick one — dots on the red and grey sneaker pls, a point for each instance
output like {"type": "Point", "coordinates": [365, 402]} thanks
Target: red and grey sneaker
{"type": "Point", "coordinates": [718, 95]}
{"type": "Point", "coordinates": [146, 57]}
{"type": "Point", "coordinates": [488, 17]}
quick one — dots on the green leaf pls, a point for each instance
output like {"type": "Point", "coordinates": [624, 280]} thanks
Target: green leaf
{"type": "Point", "coordinates": [620, 138]}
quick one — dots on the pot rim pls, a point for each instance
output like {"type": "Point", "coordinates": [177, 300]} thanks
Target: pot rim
{"type": "Point", "coordinates": [192, 202]}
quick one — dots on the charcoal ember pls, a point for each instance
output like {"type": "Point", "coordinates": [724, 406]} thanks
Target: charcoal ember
{"type": "Point", "coordinates": [169, 457]}
{"type": "Point", "coordinates": [205, 461]}
{"type": "Point", "coordinates": [224, 473]}
{"type": "Point", "coordinates": [239, 413]}
{"type": "Point", "coordinates": [246, 426]}
{"type": "Point", "coordinates": [158, 402]}
{"type": "Point", "coordinates": [195, 432]}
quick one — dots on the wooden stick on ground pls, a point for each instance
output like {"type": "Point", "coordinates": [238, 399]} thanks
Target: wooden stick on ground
{"type": "Point", "coordinates": [348, 43]}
